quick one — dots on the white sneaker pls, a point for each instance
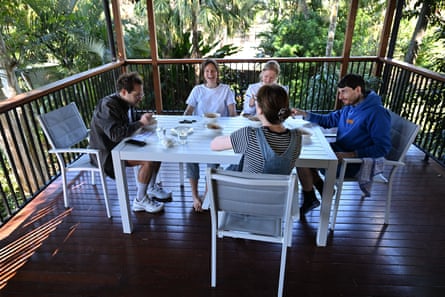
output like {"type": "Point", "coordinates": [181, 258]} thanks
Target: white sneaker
{"type": "Point", "coordinates": [147, 204]}
{"type": "Point", "coordinates": [159, 194]}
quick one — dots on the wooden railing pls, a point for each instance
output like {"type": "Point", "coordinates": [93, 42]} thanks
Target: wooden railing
{"type": "Point", "coordinates": [26, 168]}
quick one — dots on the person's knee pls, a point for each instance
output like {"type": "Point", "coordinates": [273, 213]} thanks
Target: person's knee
{"type": "Point", "coordinates": [155, 165]}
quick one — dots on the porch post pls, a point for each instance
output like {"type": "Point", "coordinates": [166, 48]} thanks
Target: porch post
{"type": "Point", "coordinates": [348, 42]}
{"type": "Point", "coordinates": [348, 37]}
{"type": "Point", "coordinates": [154, 56]}
{"type": "Point", "coordinates": [386, 31]}
{"type": "Point", "coordinates": [121, 56]}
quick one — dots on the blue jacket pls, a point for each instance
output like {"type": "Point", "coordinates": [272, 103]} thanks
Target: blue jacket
{"type": "Point", "coordinates": [364, 128]}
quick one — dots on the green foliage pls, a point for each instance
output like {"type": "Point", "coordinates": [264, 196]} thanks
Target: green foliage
{"type": "Point", "coordinates": [136, 39]}
{"type": "Point", "coordinates": [305, 35]}
{"type": "Point", "coordinates": [195, 28]}
{"type": "Point", "coordinates": [432, 45]}
{"type": "Point", "coordinates": [68, 33]}
{"type": "Point", "coordinates": [368, 28]}
{"type": "Point", "coordinates": [295, 35]}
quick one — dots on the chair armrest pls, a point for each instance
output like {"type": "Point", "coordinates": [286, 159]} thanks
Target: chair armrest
{"type": "Point", "coordinates": [75, 150]}
{"type": "Point", "coordinates": [394, 163]}
{"type": "Point", "coordinates": [343, 164]}
{"type": "Point", "coordinates": [352, 161]}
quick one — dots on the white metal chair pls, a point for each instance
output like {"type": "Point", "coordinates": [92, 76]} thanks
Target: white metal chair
{"type": "Point", "coordinates": [403, 134]}
{"type": "Point", "coordinates": [64, 128]}
{"type": "Point", "coordinates": [252, 206]}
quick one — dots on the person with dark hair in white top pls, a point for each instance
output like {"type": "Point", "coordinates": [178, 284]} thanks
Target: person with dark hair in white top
{"type": "Point", "coordinates": [210, 96]}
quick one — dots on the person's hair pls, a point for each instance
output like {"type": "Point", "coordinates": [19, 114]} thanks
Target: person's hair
{"type": "Point", "coordinates": [274, 102]}
{"type": "Point", "coordinates": [353, 81]}
{"type": "Point", "coordinates": [128, 80]}
{"type": "Point", "coordinates": [271, 65]}
{"type": "Point", "coordinates": [207, 62]}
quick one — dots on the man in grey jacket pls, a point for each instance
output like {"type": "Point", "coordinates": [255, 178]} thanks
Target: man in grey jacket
{"type": "Point", "coordinates": [113, 120]}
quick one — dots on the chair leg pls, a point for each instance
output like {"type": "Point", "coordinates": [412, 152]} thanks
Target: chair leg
{"type": "Point", "coordinates": [65, 189]}
{"type": "Point", "coordinates": [105, 189]}
{"type": "Point", "coordinates": [388, 203]}
{"type": "Point", "coordinates": [289, 233]}
{"type": "Point", "coordinates": [389, 194]}
{"type": "Point", "coordinates": [336, 205]}
{"type": "Point", "coordinates": [213, 260]}
{"type": "Point", "coordinates": [282, 269]}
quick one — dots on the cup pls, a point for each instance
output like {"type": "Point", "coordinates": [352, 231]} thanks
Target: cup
{"type": "Point", "coordinates": [182, 132]}
{"type": "Point", "coordinates": [160, 132]}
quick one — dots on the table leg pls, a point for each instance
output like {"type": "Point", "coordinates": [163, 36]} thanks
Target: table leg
{"type": "Point", "coordinates": [122, 192]}
{"type": "Point", "coordinates": [326, 202]}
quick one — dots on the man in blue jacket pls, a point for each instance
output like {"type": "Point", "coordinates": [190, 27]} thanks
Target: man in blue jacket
{"type": "Point", "coordinates": [363, 131]}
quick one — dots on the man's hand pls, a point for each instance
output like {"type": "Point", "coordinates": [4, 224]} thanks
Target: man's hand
{"type": "Point", "coordinates": [298, 112]}
{"type": "Point", "coordinates": [146, 119]}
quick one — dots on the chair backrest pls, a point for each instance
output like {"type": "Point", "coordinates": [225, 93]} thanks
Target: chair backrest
{"type": "Point", "coordinates": [64, 127]}
{"type": "Point", "coordinates": [403, 133]}
{"type": "Point", "coordinates": [251, 194]}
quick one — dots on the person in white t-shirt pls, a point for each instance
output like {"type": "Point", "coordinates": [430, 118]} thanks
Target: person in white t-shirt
{"type": "Point", "coordinates": [210, 96]}
{"type": "Point", "coordinates": [269, 75]}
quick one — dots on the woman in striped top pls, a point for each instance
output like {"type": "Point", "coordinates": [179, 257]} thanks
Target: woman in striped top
{"type": "Point", "coordinates": [271, 148]}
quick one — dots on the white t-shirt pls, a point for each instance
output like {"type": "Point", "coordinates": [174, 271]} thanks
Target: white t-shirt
{"type": "Point", "coordinates": [204, 99]}
{"type": "Point", "coordinates": [252, 90]}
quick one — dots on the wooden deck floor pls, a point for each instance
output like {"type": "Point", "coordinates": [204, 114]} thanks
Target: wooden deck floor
{"type": "Point", "coordinates": [50, 251]}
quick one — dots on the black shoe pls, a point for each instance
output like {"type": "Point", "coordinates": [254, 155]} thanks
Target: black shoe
{"type": "Point", "coordinates": [309, 203]}
{"type": "Point", "coordinates": [319, 184]}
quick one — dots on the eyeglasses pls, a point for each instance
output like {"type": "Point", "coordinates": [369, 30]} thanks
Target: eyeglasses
{"type": "Point", "coordinates": [139, 96]}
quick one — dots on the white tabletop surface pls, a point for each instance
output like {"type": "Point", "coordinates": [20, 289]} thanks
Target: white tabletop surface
{"type": "Point", "coordinates": [316, 153]}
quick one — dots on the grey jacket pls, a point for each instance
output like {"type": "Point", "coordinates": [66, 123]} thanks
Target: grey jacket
{"type": "Point", "coordinates": [110, 124]}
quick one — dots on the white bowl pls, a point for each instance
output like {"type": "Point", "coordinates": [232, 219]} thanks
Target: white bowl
{"type": "Point", "coordinates": [211, 117]}
{"type": "Point", "coordinates": [213, 129]}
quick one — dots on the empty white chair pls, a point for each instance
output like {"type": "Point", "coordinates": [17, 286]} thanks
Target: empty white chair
{"type": "Point", "coordinates": [403, 134]}
{"type": "Point", "coordinates": [251, 206]}
{"type": "Point", "coordinates": [64, 128]}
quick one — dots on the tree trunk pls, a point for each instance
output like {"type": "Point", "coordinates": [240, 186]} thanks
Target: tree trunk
{"type": "Point", "coordinates": [332, 27]}
{"type": "Point", "coordinates": [12, 87]}
{"type": "Point", "coordinates": [302, 7]}
{"type": "Point", "coordinates": [419, 32]}
{"type": "Point", "coordinates": [195, 32]}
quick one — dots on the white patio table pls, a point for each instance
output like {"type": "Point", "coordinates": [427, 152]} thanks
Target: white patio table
{"type": "Point", "coordinates": [316, 153]}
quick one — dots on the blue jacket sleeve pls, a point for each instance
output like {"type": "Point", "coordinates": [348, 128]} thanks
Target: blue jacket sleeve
{"type": "Point", "coordinates": [329, 120]}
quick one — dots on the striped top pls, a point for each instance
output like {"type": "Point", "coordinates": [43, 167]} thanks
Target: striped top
{"type": "Point", "coordinates": [244, 141]}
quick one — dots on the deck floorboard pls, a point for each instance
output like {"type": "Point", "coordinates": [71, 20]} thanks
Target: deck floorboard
{"type": "Point", "coordinates": [48, 250]}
